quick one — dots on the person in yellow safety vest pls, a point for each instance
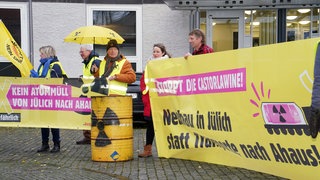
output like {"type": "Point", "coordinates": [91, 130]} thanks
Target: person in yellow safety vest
{"type": "Point", "coordinates": [90, 58]}
{"type": "Point", "coordinates": [49, 67]}
{"type": "Point", "coordinates": [116, 70]}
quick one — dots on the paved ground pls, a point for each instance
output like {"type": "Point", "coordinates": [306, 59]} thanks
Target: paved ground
{"type": "Point", "coordinates": [19, 160]}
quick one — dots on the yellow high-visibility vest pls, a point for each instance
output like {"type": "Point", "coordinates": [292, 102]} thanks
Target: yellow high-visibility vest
{"type": "Point", "coordinates": [115, 87]}
{"type": "Point", "coordinates": [49, 70]}
{"type": "Point", "coordinates": [86, 69]}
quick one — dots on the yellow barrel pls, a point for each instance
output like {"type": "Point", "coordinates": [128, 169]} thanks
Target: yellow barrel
{"type": "Point", "coordinates": [118, 150]}
{"type": "Point", "coordinates": [111, 128]}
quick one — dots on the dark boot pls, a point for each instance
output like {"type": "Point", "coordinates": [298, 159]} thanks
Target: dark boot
{"type": "Point", "coordinates": [56, 147]}
{"type": "Point", "coordinates": [84, 141]}
{"type": "Point", "coordinates": [314, 123]}
{"type": "Point", "coordinates": [44, 147]}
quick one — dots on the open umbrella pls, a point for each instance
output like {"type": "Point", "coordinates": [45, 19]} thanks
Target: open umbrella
{"type": "Point", "coordinates": [93, 35]}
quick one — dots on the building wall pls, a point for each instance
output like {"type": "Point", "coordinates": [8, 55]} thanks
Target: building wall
{"type": "Point", "coordinates": [53, 21]}
{"type": "Point", "coordinates": [163, 25]}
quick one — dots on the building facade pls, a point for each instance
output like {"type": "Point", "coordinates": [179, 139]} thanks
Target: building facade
{"type": "Point", "coordinates": [228, 25]}
{"type": "Point", "coordinates": [36, 23]}
{"type": "Point", "coordinates": [233, 24]}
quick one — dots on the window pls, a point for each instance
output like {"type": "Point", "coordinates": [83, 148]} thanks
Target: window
{"type": "Point", "coordinates": [126, 21]}
{"type": "Point", "coordinates": [299, 23]}
{"type": "Point", "coordinates": [315, 22]}
{"type": "Point", "coordinates": [261, 26]}
{"type": "Point", "coordinates": [14, 16]}
{"type": "Point", "coordinates": [11, 18]}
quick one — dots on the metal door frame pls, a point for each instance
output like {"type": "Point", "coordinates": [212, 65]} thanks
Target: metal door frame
{"type": "Point", "coordinates": [225, 14]}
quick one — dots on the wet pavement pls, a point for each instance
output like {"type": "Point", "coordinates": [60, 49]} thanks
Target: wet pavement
{"type": "Point", "coordinates": [19, 160]}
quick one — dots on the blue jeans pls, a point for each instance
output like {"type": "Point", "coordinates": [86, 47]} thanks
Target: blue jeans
{"type": "Point", "coordinates": [45, 135]}
{"type": "Point", "coordinates": [315, 98]}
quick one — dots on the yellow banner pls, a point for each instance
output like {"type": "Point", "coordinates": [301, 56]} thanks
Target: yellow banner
{"type": "Point", "coordinates": [40, 102]}
{"type": "Point", "coordinates": [246, 108]}
{"type": "Point", "coordinates": [10, 49]}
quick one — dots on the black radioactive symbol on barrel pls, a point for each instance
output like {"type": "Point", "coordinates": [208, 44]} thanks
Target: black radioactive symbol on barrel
{"type": "Point", "coordinates": [280, 112]}
{"type": "Point", "coordinates": [109, 118]}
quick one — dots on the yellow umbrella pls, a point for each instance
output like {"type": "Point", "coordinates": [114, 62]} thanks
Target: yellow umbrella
{"type": "Point", "coordinates": [93, 35]}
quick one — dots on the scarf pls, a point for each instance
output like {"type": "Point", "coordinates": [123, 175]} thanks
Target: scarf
{"type": "Point", "coordinates": [45, 62]}
{"type": "Point", "coordinates": [109, 68]}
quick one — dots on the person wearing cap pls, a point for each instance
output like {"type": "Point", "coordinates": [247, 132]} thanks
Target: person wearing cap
{"type": "Point", "coordinates": [116, 70]}
{"type": "Point", "coordinates": [90, 59]}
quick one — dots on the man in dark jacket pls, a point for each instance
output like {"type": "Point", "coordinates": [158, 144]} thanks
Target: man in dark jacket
{"type": "Point", "coordinates": [90, 59]}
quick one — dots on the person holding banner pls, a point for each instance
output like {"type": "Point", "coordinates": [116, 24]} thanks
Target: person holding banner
{"type": "Point", "coordinates": [115, 71]}
{"type": "Point", "coordinates": [197, 41]}
{"type": "Point", "coordinates": [159, 52]}
{"type": "Point", "coordinates": [91, 63]}
{"type": "Point", "coordinates": [50, 67]}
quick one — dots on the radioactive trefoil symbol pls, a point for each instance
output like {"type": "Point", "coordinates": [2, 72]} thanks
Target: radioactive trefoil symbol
{"type": "Point", "coordinates": [280, 111]}
{"type": "Point", "coordinates": [109, 118]}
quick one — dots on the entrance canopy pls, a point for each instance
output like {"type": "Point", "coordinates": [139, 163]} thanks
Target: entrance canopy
{"type": "Point", "coordinates": [240, 4]}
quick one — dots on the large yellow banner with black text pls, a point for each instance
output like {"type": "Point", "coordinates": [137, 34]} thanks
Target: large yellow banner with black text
{"type": "Point", "coordinates": [42, 102]}
{"type": "Point", "coordinates": [246, 108]}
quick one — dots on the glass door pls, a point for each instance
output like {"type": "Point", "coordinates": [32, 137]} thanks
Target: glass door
{"type": "Point", "coordinates": [225, 30]}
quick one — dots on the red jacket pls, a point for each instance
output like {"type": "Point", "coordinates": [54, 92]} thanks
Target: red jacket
{"type": "Point", "coordinates": [145, 98]}
{"type": "Point", "coordinates": [204, 49]}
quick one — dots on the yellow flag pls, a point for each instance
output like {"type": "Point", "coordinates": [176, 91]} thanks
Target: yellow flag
{"type": "Point", "coordinates": [10, 49]}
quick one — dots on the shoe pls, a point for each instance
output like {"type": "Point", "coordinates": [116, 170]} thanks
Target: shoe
{"type": "Point", "coordinates": [56, 147]}
{"type": "Point", "coordinates": [84, 141]}
{"type": "Point", "coordinates": [147, 151]}
{"type": "Point", "coordinates": [314, 123]}
{"type": "Point", "coordinates": [43, 148]}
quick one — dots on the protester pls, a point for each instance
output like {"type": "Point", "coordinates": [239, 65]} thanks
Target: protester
{"type": "Point", "coordinates": [197, 41]}
{"type": "Point", "coordinates": [314, 122]}
{"type": "Point", "coordinates": [159, 52]}
{"type": "Point", "coordinates": [91, 63]}
{"type": "Point", "coordinates": [49, 67]}
{"type": "Point", "coordinates": [116, 71]}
